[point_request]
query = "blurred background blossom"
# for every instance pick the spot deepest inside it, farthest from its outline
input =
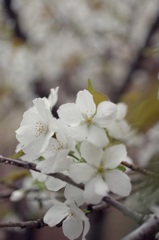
(49, 43)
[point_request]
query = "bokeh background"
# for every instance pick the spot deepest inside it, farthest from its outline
(49, 43)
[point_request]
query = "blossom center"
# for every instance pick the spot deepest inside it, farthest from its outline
(58, 147)
(41, 128)
(101, 171)
(88, 121)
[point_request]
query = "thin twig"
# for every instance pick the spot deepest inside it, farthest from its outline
(137, 217)
(39, 223)
(140, 170)
(146, 231)
(32, 166)
(5, 194)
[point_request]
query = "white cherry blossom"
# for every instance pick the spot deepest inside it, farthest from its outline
(36, 128)
(74, 221)
(85, 120)
(120, 129)
(100, 173)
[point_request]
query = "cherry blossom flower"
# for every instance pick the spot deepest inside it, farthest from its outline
(36, 128)
(85, 120)
(74, 221)
(100, 172)
(120, 129)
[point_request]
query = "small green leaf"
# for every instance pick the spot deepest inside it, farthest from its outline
(98, 97)
(17, 155)
(121, 168)
(86, 211)
(40, 185)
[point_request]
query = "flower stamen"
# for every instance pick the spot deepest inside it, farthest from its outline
(41, 128)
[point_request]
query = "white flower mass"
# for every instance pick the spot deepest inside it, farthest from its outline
(80, 145)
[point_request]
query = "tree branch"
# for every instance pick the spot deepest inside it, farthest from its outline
(32, 166)
(39, 223)
(137, 217)
(146, 231)
(5, 194)
(140, 170)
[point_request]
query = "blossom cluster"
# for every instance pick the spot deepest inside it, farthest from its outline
(85, 143)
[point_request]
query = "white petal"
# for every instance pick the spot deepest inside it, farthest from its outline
(36, 146)
(61, 138)
(51, 149)
(97, 136)
(25, 135)
(90, 195)
(46, 139)
(118, 182)
(85, 228)
(30, 117)
(53, 96)
(120, 130)
(70, 114)
(121, 111)
(42, 108)
(78, 133)
(45, 165)
(86, 103)
(62, 162)
(54, 184)
(74, 194)
(91, 153)
(56, 214)
(38, 176)
(101, 187)
(114, 155)
(72, 227)
(81, 172)
(106, 113)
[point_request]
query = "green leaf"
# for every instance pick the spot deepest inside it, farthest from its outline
(121, 168)
(17, 155)
(40, 185)
(97, 97)
(86, 211)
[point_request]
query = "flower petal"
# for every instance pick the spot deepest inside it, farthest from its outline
(101, 187)
(45, 166)
(120, 130)
(54, 184)
(106, 113)
(72, 227)
(42, 108)
(121, 111)
(81, 172)
(118, 182)
(53, 96)
(91, 153)
(90, 194)
(78, 133)
(114, 155)
(74, 194)
(56, 214)
(97, 136)
(85, 228)
(70, 114)
(25, 134)
(86, 103)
